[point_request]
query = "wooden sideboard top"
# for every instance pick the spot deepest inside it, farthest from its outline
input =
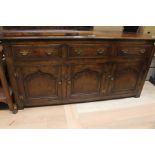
(70, 34)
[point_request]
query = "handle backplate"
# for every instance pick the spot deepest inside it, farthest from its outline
(24, 52)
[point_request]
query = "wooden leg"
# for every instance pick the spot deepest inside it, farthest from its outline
(6, 88)
(137, 96)
(15, 109)
(5, 83)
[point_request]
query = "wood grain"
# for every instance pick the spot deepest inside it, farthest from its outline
(54, 71)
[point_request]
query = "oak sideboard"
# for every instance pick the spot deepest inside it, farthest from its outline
(48, 67)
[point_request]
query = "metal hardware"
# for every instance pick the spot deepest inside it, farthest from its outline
(21, 97)
(51, 52)
(142, 51)
(15, 74)
(69, 82)
(24, 52)
(100, 51)
(59, 82)
(78, 51)
(125, 51)
(112, 79)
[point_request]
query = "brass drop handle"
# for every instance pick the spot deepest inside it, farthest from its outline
(24, 52)
(50, 52)
(112, 78)
(142, 51)
(125, 51)
(15, 74)
(78, 51)
(100, 51)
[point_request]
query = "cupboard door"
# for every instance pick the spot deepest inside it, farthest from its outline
(86, 81)
(125, 78)
(39, 85)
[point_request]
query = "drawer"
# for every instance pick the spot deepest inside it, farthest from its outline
(139, 51)
(36, 51)
(89, 50)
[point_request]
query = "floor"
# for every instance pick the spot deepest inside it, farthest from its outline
(115, 114)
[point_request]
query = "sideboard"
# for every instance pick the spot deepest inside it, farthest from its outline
(61, 67)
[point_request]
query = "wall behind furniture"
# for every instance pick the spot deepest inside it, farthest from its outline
(108, 28)
(151, 31)
(143, 29)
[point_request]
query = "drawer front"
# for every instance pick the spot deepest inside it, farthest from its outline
(36, 51)
(139, 51)
(89, 50)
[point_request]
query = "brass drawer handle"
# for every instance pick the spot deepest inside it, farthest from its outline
(110, 77)
(125, 51)
(100, 51)
(78, 51)
(142, 51)
(24, 52)
(50, 52)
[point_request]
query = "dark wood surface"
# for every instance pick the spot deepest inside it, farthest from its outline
(82, 28)
(5, 91)
(49, 70)
(69, 34)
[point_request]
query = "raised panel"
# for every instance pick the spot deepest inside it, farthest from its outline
(39, 85)
(86, 80)
(125, 78)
